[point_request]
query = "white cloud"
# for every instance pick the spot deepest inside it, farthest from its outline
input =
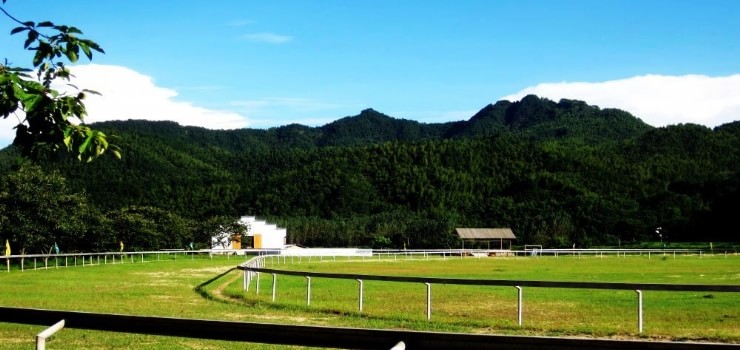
(127, 94)
(270, 38)
(658, 100)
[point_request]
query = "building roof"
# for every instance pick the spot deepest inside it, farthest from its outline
(485, 233)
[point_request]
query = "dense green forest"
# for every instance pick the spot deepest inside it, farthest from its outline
(557, 173)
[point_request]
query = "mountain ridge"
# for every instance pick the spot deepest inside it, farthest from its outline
(536, 117)
(558, 173)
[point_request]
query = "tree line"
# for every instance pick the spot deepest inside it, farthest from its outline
(557, 173)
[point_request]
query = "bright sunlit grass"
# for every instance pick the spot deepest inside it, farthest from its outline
(212, 289)
(556, 311)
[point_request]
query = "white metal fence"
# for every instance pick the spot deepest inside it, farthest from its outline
(253, 269)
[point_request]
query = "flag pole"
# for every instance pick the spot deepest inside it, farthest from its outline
(7, 254)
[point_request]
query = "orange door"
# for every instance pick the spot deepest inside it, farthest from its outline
(257, 241)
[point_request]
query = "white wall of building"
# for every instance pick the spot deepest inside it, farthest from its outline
(267, 236)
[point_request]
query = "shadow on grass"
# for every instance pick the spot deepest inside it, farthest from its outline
(203, 292)
(210, 290)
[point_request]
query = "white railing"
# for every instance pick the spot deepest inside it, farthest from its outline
(49, 261)
(254, 267)
(41, 337)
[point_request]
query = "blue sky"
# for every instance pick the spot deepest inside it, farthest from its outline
(258, 64)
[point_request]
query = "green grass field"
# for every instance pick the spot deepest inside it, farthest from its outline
(187, 288)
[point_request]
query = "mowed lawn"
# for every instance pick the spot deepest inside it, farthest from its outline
(700, 316)
(210, 289)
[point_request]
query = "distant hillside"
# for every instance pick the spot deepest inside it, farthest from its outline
(533, 117)
(558, 173)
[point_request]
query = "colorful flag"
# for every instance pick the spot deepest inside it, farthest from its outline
(121, 246)
(7, 248)
(56, 248)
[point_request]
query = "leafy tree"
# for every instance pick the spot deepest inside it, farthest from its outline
(222, 228)
(48, 120)
(149, 228)
(38, 209)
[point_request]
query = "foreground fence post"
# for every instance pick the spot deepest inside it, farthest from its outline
(639, 310)
(429, 300)
(519, 305)
(399, 346)
(41, 337)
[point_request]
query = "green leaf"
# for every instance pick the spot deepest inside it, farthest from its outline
(17, 30)
(86, 50)
(38, 58)
(45, 24)
(86, 144)
(32, 36)
(93, 45)
(71, 55)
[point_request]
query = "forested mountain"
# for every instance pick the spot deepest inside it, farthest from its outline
(558, 173)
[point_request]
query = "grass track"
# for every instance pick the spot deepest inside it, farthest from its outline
(171, 288)
(603, 313)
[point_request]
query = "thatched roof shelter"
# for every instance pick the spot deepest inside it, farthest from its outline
(486, 235)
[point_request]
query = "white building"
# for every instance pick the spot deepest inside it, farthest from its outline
(260, 235)
(264, 235)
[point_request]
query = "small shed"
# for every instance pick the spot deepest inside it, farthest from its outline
(486, 235)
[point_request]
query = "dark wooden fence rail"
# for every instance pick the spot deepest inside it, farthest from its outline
(509, 283)
(329, 337)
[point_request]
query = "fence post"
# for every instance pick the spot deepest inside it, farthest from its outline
(360, 299)
(519, 305)
(41, 337)
(244, 280)
(429, 300)
(257, 288)
(308, 290)
(274, 285)
(639, 310)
